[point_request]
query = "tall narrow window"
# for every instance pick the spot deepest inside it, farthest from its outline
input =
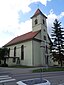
(44, 37)
(9, 52)
(36, 21)
(14, 59)
(14, 51)
(44, 30)
(46, 49)
(22, 52)
(43, 22)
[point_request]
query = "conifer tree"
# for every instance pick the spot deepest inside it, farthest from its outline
(58, 41)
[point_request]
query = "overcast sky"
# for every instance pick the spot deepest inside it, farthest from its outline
(15, 16)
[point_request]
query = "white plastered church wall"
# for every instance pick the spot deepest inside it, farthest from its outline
(27, 53)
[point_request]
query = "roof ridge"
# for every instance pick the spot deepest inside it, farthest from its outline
(27, 33)
(23, 34)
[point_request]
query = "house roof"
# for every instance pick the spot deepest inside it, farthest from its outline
(22, 38)
(37, 13)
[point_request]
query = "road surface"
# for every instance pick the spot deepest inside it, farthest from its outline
(55, 78)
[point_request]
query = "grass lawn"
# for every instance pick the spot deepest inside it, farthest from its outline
(21, 66)
(49, 69)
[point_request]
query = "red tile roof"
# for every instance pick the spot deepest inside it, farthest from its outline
(22, 38)
(37, 13)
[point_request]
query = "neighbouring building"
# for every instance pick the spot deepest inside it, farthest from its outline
(32, 48)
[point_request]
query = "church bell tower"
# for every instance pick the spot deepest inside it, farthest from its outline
(39, 23)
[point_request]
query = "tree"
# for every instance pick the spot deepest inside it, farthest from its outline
(3, 54)
(58, 41)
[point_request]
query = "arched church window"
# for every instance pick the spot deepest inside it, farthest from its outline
(44, 30)
(44, 37)
(14, 58)
(46, 49)
(43, 21)
(9, 52)
(22, 52)
(36, 21)
(14, 51)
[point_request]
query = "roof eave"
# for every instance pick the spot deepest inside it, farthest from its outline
(17, 43)
(38, 14)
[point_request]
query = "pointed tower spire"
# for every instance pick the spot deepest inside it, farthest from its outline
(37, 13)
(38, 21)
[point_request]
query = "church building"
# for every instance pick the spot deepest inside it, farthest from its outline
(32, 48)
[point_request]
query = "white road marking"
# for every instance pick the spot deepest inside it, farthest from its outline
(6, 78)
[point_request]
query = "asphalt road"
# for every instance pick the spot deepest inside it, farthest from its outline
(55, 78)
